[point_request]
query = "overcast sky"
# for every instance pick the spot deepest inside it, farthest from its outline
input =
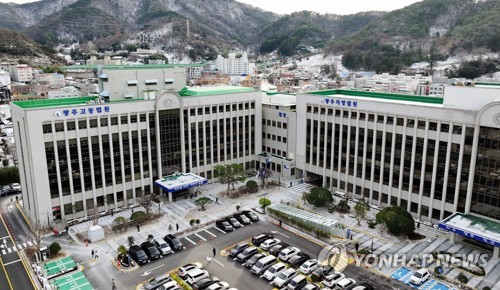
(321, 6)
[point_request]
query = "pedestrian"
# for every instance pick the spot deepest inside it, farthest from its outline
(280, 223)
(290, 184)
(112, 212)
(95, 254)
(138, 228)
(356, 246)
(92, 254)
(213, 252)
(217, 200)
(177, 227)
(114, 286)
(418, 225)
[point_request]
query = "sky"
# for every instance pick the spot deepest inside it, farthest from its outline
(321, 6)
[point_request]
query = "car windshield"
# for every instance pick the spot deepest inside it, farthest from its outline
(238, 247)
(226, 224)
(248, 250)
(282, 276)
(418, 275)
(258, 264)
(176, 241)
(152, 249)
(272, 270)
(164, 246)
(255, 258)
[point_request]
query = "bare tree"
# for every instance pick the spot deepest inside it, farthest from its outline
(264, 174)
(36, 236)
(145, 199)
(94, 213)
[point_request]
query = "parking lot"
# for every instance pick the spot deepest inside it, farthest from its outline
(199, 247)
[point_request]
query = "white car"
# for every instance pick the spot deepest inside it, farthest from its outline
(345, 284)
(163, 247)
(332, 279)
(218, 286)
(196, 275)
(288, 253)
(284, 277)
(15, 186)
(275, 269)
(267, 244)
(419, 277)
(309, 266)
(171, 285)
(184, 270)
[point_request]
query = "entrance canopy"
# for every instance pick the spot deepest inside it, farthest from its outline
(180, 181)
(474, 227)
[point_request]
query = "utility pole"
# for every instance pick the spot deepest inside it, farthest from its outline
(187, 28)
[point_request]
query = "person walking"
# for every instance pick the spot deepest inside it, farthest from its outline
(280, 223)
(177, 227)
(95, 254)
(113, 287)
(356, 246)
(217, 200)
(92, 254)
(138, 228)
(214, 252)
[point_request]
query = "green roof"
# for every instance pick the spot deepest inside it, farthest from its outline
(53, 102)
(487, 84)
(209, 91)
(134, 66)
(378, 95)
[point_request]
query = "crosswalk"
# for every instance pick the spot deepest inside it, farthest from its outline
(4, 249)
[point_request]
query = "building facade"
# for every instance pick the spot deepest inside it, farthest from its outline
(100, 154)
(234, 64)
(21, 73)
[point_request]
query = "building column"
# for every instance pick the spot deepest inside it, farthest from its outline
(169, 197)
(452, 237)
(496, 251)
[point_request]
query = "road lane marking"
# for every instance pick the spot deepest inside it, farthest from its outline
(213, 259)
(12, 262)
(5, 237)
(3, 252)
(19, 246)
(6, 275)
(201, 237)
(30, 243)
(211, 234)
(9, 250)
(190, 241)
(220, 230)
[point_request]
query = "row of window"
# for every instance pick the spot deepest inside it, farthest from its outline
(220, 108)
(273, 123)
(93, 123)
(275, 151)
(274, 137)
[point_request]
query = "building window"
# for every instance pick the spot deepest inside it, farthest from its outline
(47, 128)
(284, 125)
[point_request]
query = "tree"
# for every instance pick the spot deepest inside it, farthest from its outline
(397, 220)
(145, 199)
(202, 202)
(54, 248)
(9, 175)
(230, 174)
(37, 236)
(319, 196)
(264, 174)
(360, 209)
(343, 206)
(122, 250)
(264, 202)
(252, 186)
(94, 213)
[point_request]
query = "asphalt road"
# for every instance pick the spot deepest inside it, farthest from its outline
(11, 267)
(224, 267)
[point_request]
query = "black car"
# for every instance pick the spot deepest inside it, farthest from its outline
(151, 250)
(260, 238)
(251, 215)
(224, 225)
(297, 260)
(204, 283)
(250, 262)
(238, 249)
(174, 243)
(138, 255)
(243, 219)
(276, 249)
(246, 254)
(321, 272)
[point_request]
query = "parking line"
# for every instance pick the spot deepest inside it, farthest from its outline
(211, 234)
(19, 246)
(5, 264)
(220, 230)
(3, 252)
(190, 241)
(9, 250)
(201, 237)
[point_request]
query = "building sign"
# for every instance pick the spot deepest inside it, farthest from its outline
(469, 235)
(340, 102)
(82, 111)
(282, 114)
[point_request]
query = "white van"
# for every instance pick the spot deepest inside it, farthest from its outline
(340, 194)
(263, 264)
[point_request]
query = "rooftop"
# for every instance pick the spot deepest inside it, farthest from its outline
(378, 95)
(471, 224)
(53, 102)
(133, 66)
(209, 91)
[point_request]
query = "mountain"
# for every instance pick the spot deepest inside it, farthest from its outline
(16, 44)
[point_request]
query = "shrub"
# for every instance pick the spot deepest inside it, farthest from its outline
(54, 248)
(397, 219)
(202, 202)
(372, 224)
(252, 186)
(118, 220)
(198, 221)
(462, 278)
(264, 202)
(319, 196)
(192, 222)
(122, 250)
(137, 215)
(486, 288)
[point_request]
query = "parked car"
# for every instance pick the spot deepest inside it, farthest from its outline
(138, 255)
(196, 275)
(263, 264)
(260, 238)
(224, 225)
(234, 222)
(156, 282)
(299, 259)
(345, 284)
(184, 270)
(274, 270)
(276, 249)
(289, 252)
(311, 286)
(163, 247)
(173, 242)
(363, 286)
(420, 276)
(151, 250)
(251, 215)
(238, 249)
(309, 266)
(250, 262)
(15, 187)
(332, 279)
(218, 286)
(321, 272)
(204, 283)
(284, 277)
(246, 254)
(171, 285)
(269, 243)
(243, 219)
(297, 283)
